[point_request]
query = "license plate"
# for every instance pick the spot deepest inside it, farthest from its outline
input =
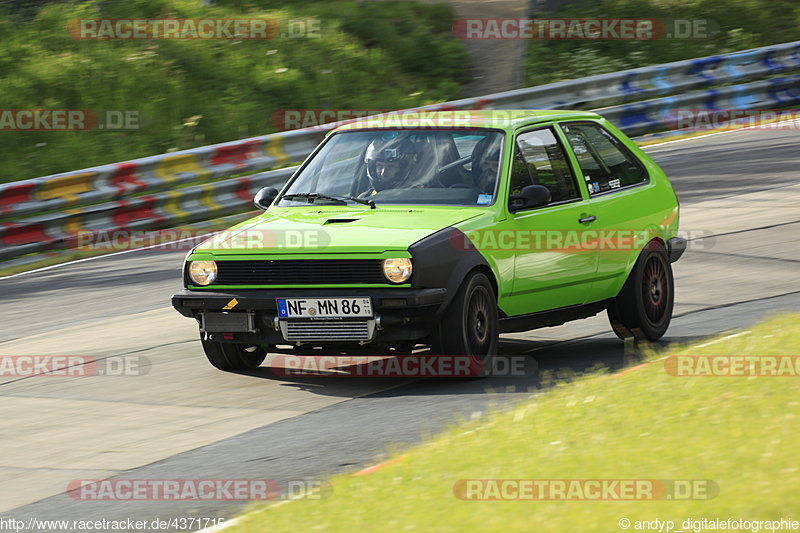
(324, 307)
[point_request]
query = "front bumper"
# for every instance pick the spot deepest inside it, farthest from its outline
(400, 314)
(675, 248)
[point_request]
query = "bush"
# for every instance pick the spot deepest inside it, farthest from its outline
(189, 93)
(737, 25)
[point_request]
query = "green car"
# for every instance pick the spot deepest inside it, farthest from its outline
(442, 229)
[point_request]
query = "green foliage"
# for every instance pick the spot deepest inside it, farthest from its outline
(193, 92)
(738, 432)
(731, 25)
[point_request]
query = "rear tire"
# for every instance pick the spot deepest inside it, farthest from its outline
(229, 356)
(470, 325)
(643, 308)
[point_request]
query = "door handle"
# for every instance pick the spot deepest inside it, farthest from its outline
(590, 218)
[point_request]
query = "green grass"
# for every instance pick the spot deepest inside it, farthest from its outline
(188, 93)
(642, 424)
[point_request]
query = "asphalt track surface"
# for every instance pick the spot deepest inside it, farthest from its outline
(740, 196)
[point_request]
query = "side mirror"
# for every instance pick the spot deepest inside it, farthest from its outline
(265, 197)
(530, 196)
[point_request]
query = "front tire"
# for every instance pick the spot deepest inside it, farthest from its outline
(229, 356)
(643, 308)
(470, 325)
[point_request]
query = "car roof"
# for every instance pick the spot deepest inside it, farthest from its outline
(505, 119)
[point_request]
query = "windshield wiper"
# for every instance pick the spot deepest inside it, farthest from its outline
(316, 196)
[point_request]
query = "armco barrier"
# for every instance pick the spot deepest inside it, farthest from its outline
(159, 210)
(660, 113)
(142, 193)
(647, 82)
(155, 173)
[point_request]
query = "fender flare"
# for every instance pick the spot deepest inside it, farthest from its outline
(443, 259)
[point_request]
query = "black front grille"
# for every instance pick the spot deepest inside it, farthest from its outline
(300, 272)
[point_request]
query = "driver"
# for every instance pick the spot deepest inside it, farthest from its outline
(389, 163)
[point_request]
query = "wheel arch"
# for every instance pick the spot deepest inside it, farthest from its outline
(485, 270)
(445, 259)
(657, 240)
(634, 258)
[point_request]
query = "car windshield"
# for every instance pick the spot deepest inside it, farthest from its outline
(436, 166)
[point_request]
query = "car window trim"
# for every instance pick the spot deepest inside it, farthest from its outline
(624, 149)
(620, 189)
(331, 134)
(527, 129)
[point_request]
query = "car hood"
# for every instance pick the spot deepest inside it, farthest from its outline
(335, 230)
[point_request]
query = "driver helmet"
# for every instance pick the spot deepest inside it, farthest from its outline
(390, 159)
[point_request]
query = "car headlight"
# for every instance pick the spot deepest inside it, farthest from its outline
(203, 272)
(397, 269)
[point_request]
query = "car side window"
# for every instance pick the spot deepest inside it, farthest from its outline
(540, 160)
(605, 164)
(520, 176)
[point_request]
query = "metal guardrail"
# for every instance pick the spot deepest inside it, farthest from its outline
(160, 210)
(664, 113)
(155, 173)
(141, 194)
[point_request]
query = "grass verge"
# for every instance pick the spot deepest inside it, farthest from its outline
(640, 424)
